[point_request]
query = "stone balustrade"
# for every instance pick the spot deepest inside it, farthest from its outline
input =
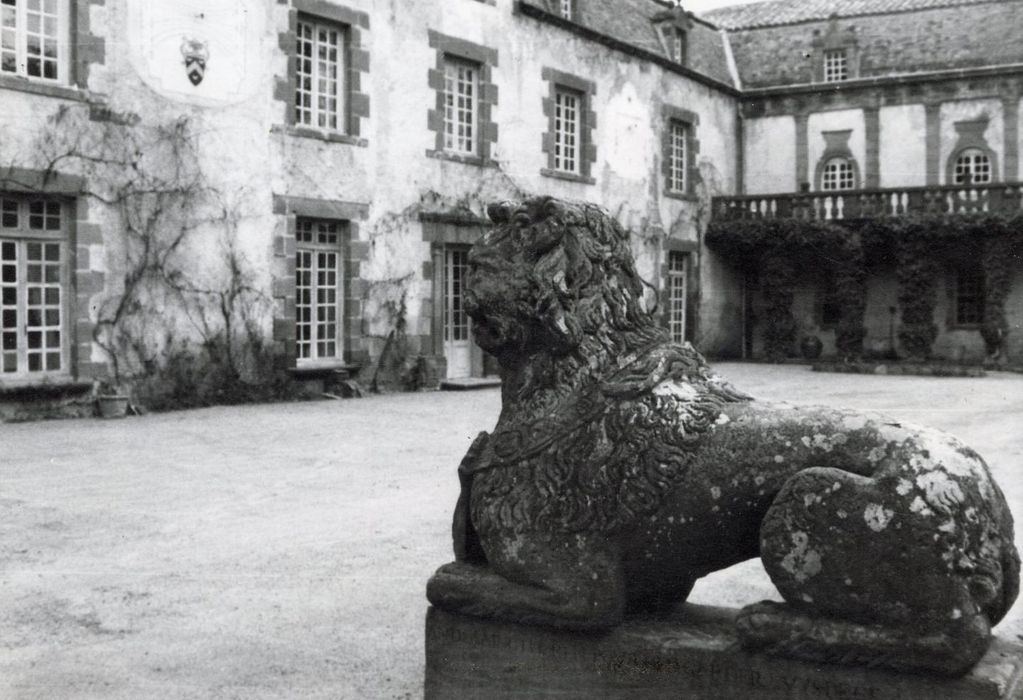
(1006, 198)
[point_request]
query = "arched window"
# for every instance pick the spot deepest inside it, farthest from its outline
(972, 166)
(838, 174)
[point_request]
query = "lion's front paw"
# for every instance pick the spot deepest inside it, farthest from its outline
(456, 585)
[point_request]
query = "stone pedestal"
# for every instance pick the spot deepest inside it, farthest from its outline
(694, 654)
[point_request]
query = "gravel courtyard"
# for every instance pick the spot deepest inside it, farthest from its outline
(281, 551)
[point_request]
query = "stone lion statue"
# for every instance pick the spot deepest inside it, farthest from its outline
(622, 469)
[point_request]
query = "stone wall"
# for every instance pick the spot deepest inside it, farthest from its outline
(382, 178)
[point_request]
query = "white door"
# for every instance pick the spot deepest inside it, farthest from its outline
(457, 345)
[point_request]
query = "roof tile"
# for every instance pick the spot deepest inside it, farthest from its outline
(775, 12)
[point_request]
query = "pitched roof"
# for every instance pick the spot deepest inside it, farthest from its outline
(633, 22)
(776, 12)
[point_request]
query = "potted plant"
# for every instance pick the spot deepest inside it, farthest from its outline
(111, 401)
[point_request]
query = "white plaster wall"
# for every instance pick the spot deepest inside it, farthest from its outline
(770, 155)
(393, 174)
(970, 110)
(839, 120)
(903, 147)
(248, 159)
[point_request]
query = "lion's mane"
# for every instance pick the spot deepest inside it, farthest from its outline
(617, 445)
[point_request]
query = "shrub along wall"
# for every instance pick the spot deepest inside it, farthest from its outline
(774, 249)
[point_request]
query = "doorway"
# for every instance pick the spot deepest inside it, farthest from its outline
(457, 336)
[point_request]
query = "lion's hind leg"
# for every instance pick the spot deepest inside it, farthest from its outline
(864, 581)
(782, 629)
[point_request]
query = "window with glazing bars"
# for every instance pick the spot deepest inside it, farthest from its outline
(317, 290)
(836, 66)
(973, 166)
(461, 105)
(566, 8)
(678, 46)
(677, 296)
(838, 174)
(677, 166)
(568, 106)
(30, 38)
(320, 75)
(32, 287)
(456, 320)
(969, 295)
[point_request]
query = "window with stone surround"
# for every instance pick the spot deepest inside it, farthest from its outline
(836, 65)
(838, 174)
(462, 114)
(567, 129)
(568, 141)
(679, 148)
(972, 167)
(969, 295)
(33, 287)
(678, 163)
(33, 39)
(318, 291)
(320, 69)
(461, 106)
(327, 71)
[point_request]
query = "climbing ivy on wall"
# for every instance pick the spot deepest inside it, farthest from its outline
(778, 249)
(175, 332)
(920, 245)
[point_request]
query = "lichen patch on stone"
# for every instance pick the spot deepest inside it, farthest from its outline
(877, 516)
(918, 506)
(801, 561)
(941, 493)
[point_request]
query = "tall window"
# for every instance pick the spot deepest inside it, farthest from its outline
(836, 65)
(567, 129)
(456, 320)
(461, 106)
(317, 290)
(677, 296)
(319, 75)
(838, 174)
(972, 166)
(30, 39)
(969, 295)
(677, 157)
(566, 8)
(678, 46)
(32, 287)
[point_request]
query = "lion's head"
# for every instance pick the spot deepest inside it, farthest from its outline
(547, 275)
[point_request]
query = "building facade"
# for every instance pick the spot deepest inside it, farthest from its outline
(195, 197)
(879, 111)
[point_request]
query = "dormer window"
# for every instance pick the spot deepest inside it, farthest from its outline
(678, 46)
(836, 65)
